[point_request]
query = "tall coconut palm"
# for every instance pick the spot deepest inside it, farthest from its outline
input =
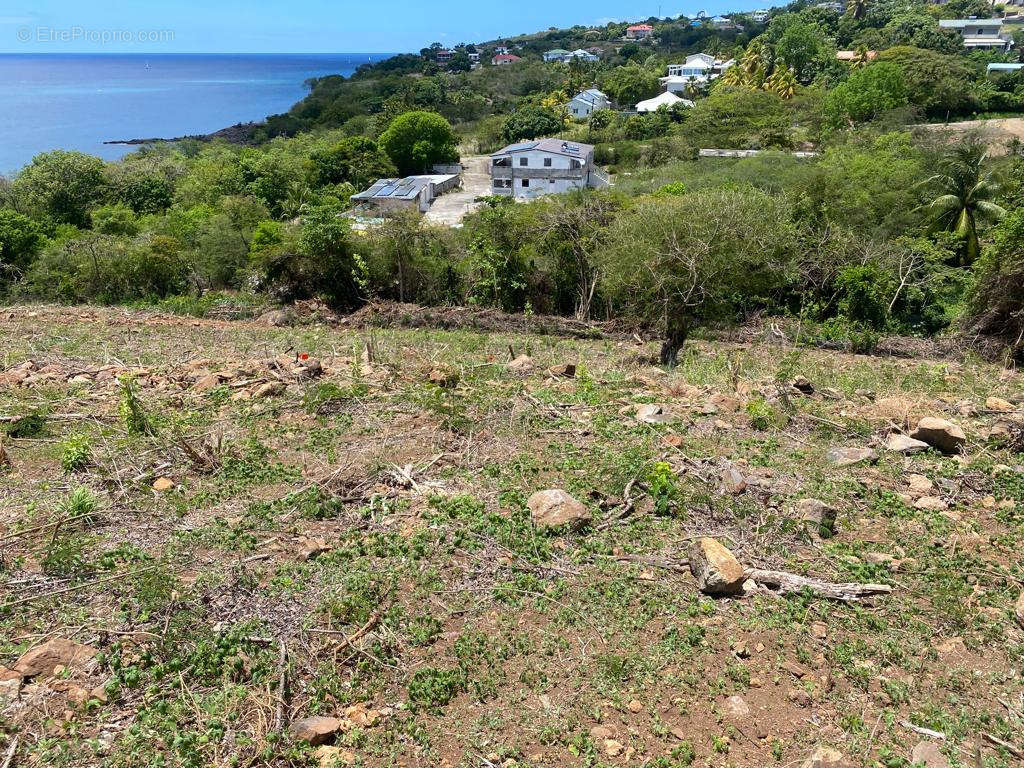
(856, 9)
(862, 58)
(966, 197)
(782, 83)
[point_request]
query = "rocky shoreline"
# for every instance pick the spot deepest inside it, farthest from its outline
(240, 133)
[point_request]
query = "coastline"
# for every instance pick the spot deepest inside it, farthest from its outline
(239, 133)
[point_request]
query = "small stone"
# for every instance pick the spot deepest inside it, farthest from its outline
(317, 729)
(736, 708)
(613, 748)
(920, 485)
(332, 757)
(651, 413)
(846, 457)
(879, 558)
(818, 517)
(162, 484)
(725, 403)
(444, 379)
(206, 383)
(942, 435)
(819, 630)
(311, 548)
(360, 715)
(867, 394)
(521, 364)
(931, 504)
(825, 757)
(908, 446)
(270, 389)
(99, 693)
(733, 481)
(635, 706)
(43, 660)
(275, 318)
(927, 753)
(563, 371)
(802, 385)
(672, 441)
(716, 569)
(9, 691)
(601, 732)
(1019, 610)
(555, 508)
(999, 405)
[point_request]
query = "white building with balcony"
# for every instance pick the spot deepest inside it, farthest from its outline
(532, 169)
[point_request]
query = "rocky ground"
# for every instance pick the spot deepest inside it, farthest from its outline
(233, 544)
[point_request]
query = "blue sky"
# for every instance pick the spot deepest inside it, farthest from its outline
(230, 26)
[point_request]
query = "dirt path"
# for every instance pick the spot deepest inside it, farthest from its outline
(996, 133)
(450, 209)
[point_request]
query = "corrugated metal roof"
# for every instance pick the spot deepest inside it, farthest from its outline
(555, 146)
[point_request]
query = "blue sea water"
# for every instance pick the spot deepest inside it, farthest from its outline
(78, 101)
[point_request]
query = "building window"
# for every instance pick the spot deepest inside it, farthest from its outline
(526, 182)
(547, 162)
(524, 161)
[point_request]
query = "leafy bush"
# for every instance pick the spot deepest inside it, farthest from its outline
(76, 452)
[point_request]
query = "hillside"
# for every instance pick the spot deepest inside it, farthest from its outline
(272, 524)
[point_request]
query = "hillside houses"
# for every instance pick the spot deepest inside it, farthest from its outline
(585, 103)
(979, 33)
(532, 169)
(565, 57)
(639, 32)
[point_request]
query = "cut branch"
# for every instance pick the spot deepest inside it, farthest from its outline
(786, 583)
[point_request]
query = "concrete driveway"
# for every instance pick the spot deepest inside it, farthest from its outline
(451, 208)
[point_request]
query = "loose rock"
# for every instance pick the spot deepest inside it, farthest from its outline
(825, 757)
(942, 435)
(999, 405)
(733, 481)
(1019, 610)
(927, 753)
(270, 389)
(563, 371)
(920, 485)
(905, 445)
(931, 504)
(42, 660)
(332, 757)
(846, 457)
(716, 569)
(802, 385)
(555, 508)
(316, 730)
(652, 413)
(818, 517)
(162, 484)
(521, 364)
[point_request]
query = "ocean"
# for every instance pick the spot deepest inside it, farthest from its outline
(79, 101)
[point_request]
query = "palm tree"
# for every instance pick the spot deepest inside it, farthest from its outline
(856, 9)
(967, 193)
(862, 58)
(782, 83)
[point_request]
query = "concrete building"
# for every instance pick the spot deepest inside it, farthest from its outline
(639, 32)
(585, 103)
(979, 33)
(410, 193)
(503, 59)
(532, 169)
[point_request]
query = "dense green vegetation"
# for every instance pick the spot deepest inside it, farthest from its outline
(887, 231)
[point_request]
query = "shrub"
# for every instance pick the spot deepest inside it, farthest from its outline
(415, 141)
(76, 452)
(433, 689)
(133, 414)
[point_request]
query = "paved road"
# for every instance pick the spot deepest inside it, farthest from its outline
(451, 208)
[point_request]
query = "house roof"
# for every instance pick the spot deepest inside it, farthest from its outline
(408, 188)
(667, 99)
(556, 51)
(506, 57)
(854, 55)
(1000, 67)
(590, 96)
(961, 23)
(640, 27)
(554, 146)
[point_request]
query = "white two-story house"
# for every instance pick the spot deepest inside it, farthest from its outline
(585, 103)
(698, 67)
(544, 167)
(979, 33)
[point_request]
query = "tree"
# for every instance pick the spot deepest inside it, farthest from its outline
(965, 198)
(686, 260)
(20, 241)
(799, 44)
(938, 84)
(856, 9)
(531, 123)
(116, 219)
(357, 160)
(415, 141)
(866, 94)
(996, 305)
(630, 84)
(62, 186)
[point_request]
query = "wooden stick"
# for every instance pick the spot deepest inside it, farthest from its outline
(9, 758)
(1005, 745)
(923, 731)
(281, 716)
(76, 588)
(786, 583)
(18, 534)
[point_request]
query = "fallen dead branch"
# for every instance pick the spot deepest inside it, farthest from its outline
(11, 751)
(1015, 751)
(76, 588)
(785, 583)
(281, 715)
